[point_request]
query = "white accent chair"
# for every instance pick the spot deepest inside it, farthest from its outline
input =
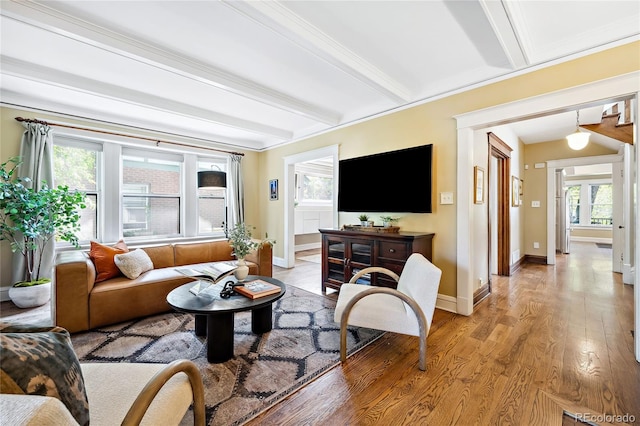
(407, 310)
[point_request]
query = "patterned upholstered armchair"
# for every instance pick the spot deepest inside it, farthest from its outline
(42, 382)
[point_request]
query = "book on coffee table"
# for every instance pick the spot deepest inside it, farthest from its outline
(208, 275)
(257, 288)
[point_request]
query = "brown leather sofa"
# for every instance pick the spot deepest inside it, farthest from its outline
(81, 304)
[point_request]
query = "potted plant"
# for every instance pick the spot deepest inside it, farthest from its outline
(29, 220)
(242, 243)
(388, 221)
(364, 220)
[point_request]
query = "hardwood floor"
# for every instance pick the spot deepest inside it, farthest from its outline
(548, 339)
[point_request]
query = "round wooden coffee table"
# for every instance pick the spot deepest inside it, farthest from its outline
(214, 315)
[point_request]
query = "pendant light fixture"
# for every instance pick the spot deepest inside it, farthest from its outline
(578, 140)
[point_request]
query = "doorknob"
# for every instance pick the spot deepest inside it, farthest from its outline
(620, 227)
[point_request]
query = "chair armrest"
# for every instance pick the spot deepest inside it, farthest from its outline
(374, 269)
(422, 320)
(145, 398)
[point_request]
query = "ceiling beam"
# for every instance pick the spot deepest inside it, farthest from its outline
(503, 28)
(35, 105)
(47, 18)
(42, 74)
(280, 19)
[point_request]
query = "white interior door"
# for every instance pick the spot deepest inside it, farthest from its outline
(628, 214)
(618, 231)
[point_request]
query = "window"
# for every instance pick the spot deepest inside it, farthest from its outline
(134, 217)
(211, 201)
(151, 193)
(314, 182)
(591, 203)
(601, 204)
(574, 203)
(141, 194)
(76, 165)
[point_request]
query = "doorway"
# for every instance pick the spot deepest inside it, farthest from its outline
(617, 88)
(290, 188)
(499, 209)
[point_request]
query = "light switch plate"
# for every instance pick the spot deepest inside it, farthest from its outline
(535, 204)
(446, 198)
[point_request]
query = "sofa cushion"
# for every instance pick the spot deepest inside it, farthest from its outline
(161, 256)
(213, 251)
(41, 361)
(133, 263)
(102, 257)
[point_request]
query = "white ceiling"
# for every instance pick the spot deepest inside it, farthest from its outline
(254, 75)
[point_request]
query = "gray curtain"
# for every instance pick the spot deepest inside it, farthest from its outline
(236, 189)
(36, 154)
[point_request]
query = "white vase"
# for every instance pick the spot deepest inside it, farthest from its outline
(242, 271)
(30, 297)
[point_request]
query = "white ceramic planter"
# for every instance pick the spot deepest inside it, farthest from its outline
(242, 271)
(30, 297)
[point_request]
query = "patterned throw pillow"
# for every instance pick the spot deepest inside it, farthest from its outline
(134, 263)
(102, 257)
(41, 361)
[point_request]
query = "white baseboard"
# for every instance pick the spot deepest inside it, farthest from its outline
(310, 246)
(592, 240)
(447, 303)
(279, 261)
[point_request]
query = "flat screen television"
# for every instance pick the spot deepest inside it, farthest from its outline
(395, 182)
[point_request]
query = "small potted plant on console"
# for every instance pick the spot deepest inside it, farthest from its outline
(364, 220)
(388, 221)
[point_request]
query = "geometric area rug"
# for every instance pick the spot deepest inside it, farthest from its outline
(304, 344)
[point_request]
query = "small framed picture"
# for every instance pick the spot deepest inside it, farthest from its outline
(478, 184)
(273, 189)
(521, 191)
(515, 191)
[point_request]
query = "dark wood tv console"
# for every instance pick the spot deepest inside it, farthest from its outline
(346, 252)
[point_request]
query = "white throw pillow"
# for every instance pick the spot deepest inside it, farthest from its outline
(134, 263)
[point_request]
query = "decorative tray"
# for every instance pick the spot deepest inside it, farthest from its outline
(374, 229)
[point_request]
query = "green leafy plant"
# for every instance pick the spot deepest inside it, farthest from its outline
(363, 218)
(29, 219)
(389, 219)
(242, 242)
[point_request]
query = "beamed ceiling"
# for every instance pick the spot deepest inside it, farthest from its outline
(255, 75)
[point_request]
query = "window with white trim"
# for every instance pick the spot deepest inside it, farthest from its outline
(314, 182)
(139, 193)
(77, 164)
(151, 193)
(212, 201)
(591, 202)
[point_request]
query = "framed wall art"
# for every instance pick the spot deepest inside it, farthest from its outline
(273, 189)
(478, 185)
(515, 191)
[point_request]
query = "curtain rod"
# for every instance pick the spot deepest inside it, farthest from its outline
(106, 132)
